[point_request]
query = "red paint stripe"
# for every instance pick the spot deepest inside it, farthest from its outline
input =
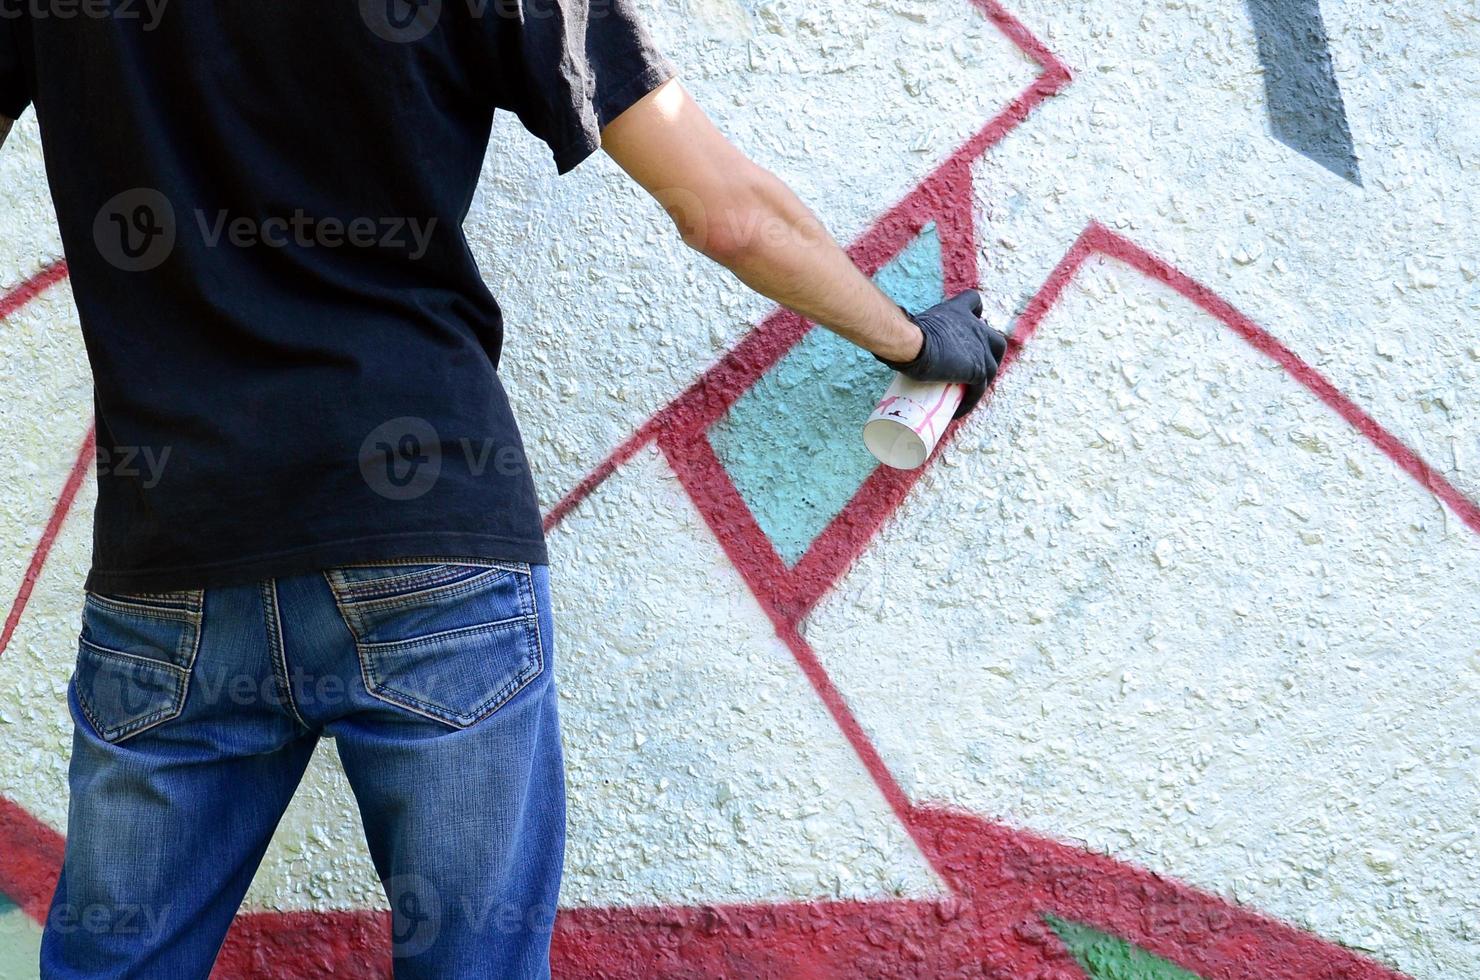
(347, 944)
(928, 423)
(1047, 297)
(1266, 343)
(59, 512)
(1055, 73)
(588, 484)
(997, 865)
(718, 501)
(878, 940)
(852, 529)
(30, 859)
(33, 287)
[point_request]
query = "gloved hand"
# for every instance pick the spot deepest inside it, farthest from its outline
(958, 346)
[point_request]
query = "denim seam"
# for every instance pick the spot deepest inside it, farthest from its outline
(539, 633)
(511, 566)
(395, 586)
(118, 733)
(182, 687)
(276, 654)
(476, 629)
(184, 615)
(125, 655)
(374, 688)
(450, 590)
(343, 613)
(486, 709)
(192, 596)
(354, 640)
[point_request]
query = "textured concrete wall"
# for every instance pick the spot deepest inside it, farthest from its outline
(1166, 666)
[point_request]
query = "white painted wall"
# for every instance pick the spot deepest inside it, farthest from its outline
(1157, 600)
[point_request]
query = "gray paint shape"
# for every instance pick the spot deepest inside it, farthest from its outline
(1306, 111)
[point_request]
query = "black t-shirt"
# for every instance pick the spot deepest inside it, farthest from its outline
(261, 201)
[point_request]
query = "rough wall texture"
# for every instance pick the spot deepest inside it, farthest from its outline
(1167, 665)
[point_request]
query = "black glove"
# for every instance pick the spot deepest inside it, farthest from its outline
(958, 346)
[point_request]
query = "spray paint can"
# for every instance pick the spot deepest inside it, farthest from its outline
(903, 430)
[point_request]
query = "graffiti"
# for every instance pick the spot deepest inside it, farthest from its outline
(1306, 111)
(754, 444)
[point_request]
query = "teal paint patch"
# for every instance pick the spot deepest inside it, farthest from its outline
(20, 943)
(792, 443)
(1105, 957)
(915, 278)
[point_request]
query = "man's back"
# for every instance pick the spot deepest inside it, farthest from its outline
(262, 207)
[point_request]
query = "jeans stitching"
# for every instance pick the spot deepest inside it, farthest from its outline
(168, 615)
(526, 673)
(194, 621)
(474, 630)
(376, 687)
(453, 590)
(272, 619)
(539, 632)
(354, 637)
(138, 726)
(450, 569)
(512, 566)
(391, 585)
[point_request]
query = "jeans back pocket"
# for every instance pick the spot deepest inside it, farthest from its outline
(449, 640)
(134, 658)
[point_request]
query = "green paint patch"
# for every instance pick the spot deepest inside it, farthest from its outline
(20, 943)
(1106, 957)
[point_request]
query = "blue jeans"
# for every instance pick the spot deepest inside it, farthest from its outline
(196, 713)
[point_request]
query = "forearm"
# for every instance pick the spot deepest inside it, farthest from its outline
(776, 246)
(746, 219)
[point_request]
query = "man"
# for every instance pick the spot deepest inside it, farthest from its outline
(314, 513)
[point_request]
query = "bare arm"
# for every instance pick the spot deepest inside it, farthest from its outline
(746, 219)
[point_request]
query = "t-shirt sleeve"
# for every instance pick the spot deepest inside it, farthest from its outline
(569, 67)
(14, 92)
